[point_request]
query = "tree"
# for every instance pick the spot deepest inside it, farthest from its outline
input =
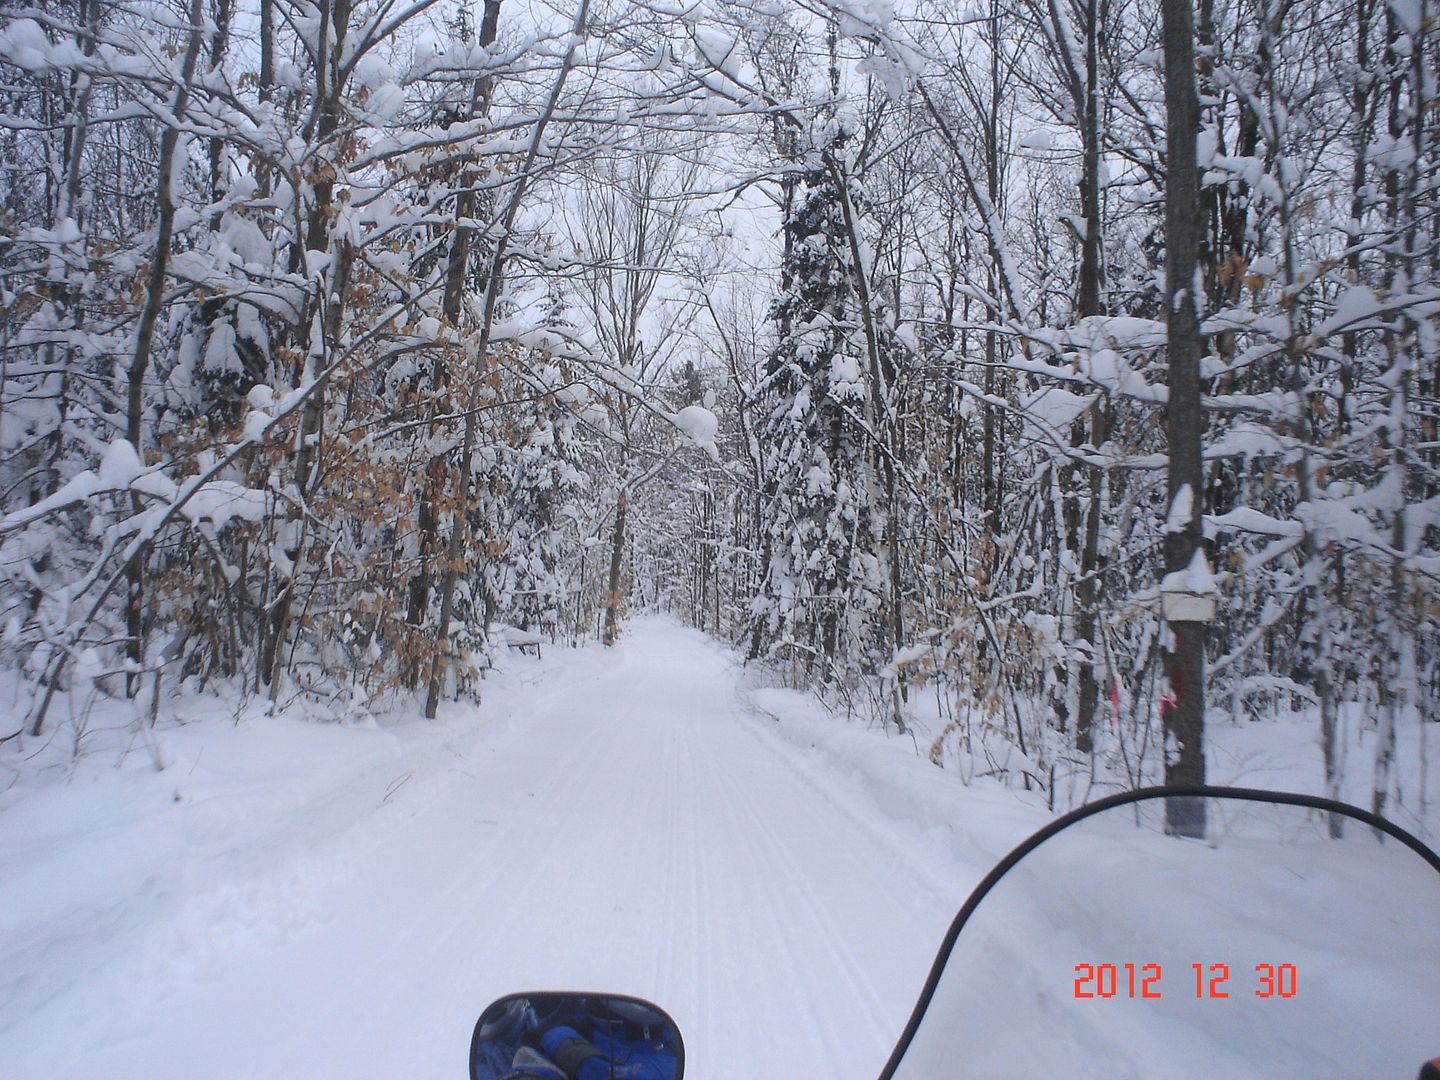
(821, 579)
(630, 228)
(1184, 713)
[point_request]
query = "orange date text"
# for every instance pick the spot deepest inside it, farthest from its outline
(1210, 982)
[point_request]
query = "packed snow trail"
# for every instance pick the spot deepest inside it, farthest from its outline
(628, 828)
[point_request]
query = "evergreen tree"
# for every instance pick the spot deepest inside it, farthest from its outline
(544, 487)
(821, 583)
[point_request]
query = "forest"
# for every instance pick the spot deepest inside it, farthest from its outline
(955, 361)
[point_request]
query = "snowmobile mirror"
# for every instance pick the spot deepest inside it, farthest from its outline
(1300, 937)
(564, 1036)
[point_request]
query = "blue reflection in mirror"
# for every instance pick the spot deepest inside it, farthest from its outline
(562, 1036)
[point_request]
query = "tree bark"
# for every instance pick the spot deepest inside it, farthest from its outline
(617, 562)
(1088, 303)
(145, 337)
(1183, 709)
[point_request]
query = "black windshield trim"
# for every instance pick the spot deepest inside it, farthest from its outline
(1283, 798)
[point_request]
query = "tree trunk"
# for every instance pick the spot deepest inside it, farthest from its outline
(1183, 710)
(1088, 303)
(457, 271)
(219, 45)
(330, 79)
(617, 560)
(145, 337)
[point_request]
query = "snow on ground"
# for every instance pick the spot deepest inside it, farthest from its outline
(290, 898)
(1318, 956)
(296, 899)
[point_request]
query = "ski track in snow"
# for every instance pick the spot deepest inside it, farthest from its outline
(628, 829)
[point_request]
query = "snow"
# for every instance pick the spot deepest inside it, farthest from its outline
(77, 489)
(1267, 888)
(1245, 519)
(320, 900)
(893, 76)
(1093, 350)
(1355, 306)
(717, 49)
(699, 425)
(517, 638)
(24, 43)
(1117, 332)
(292, 898)
(1182, 510)
(1055, 407)
(119, 465)
(1410, 13)
(221, 500)
(216, 501)
(1196, 578)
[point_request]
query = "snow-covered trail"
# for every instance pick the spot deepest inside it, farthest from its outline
(628, 829)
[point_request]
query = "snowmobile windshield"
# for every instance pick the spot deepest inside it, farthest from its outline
(1291, 938)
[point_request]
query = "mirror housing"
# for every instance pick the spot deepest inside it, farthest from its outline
(575, 1036)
